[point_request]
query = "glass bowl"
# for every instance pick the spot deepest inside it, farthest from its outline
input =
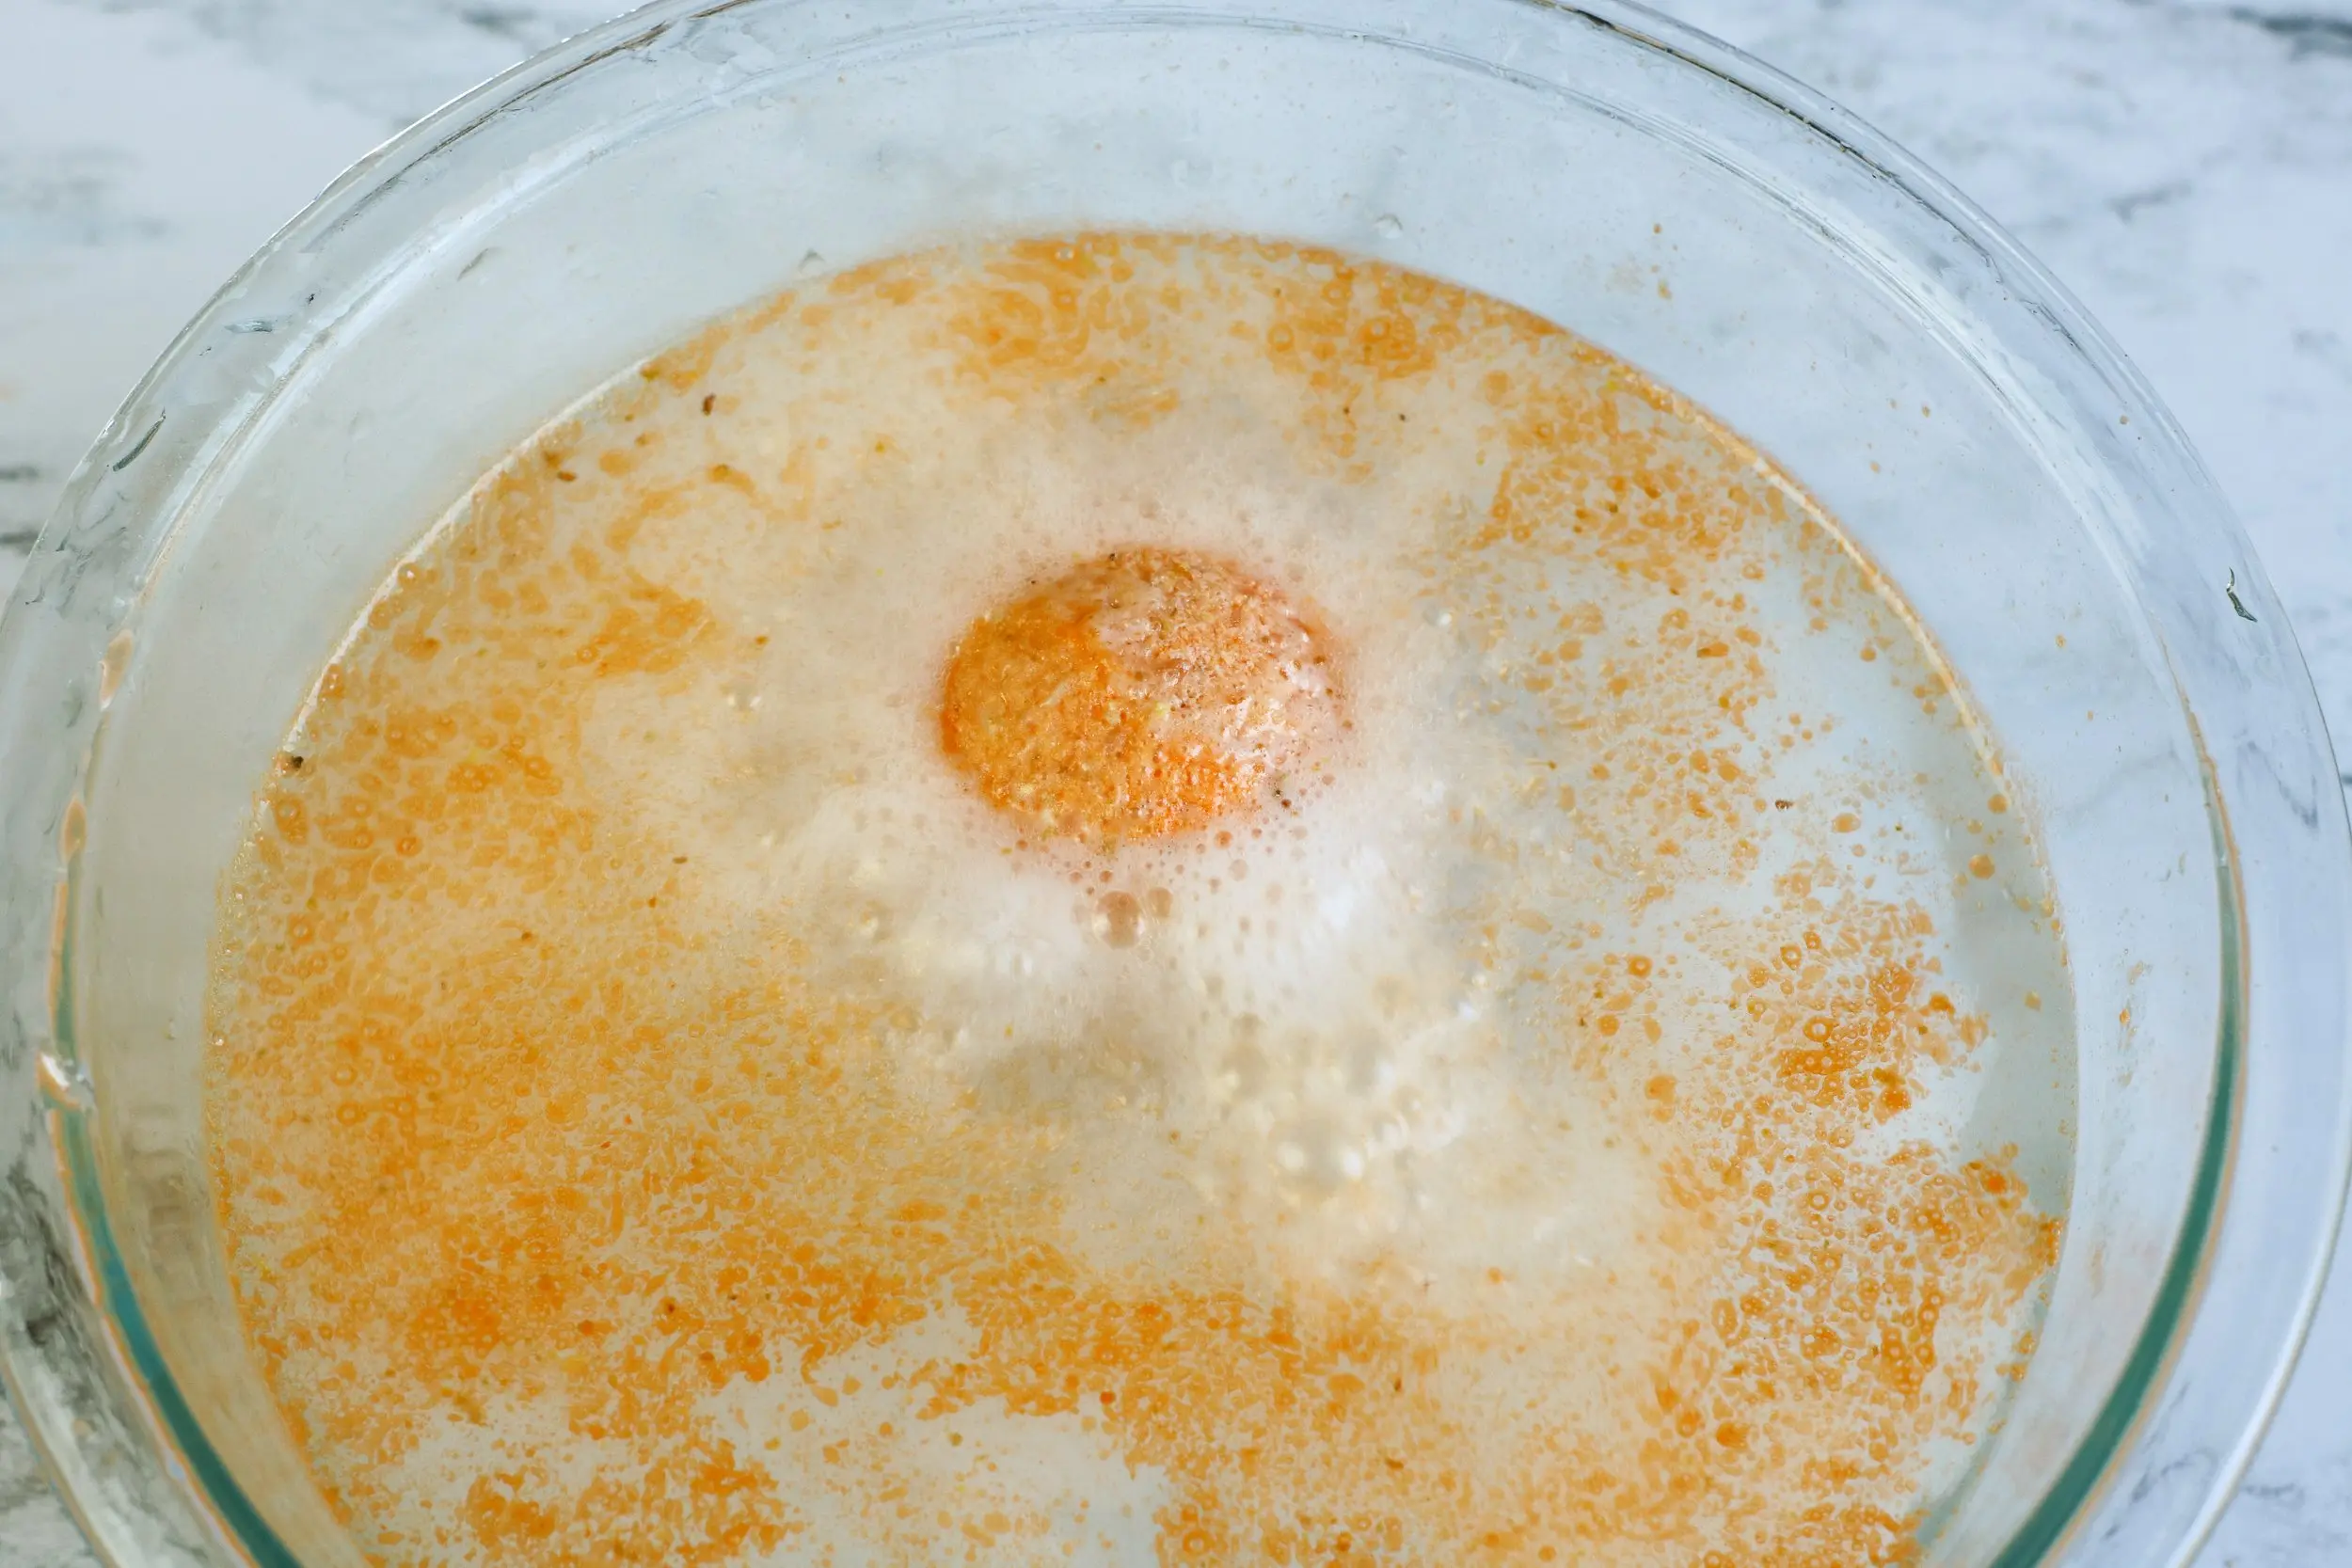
(1714, 223)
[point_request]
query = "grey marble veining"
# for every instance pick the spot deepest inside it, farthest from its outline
(2185, 166)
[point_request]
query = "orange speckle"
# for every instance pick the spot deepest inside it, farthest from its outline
(1143, 694)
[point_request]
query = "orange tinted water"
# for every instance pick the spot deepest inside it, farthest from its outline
(761, 1021)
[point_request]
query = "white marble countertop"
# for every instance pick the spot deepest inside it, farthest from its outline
(2185, 166)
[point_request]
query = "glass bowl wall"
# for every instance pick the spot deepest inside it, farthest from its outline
(1684, 208)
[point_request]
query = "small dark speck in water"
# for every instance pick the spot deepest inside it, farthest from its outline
(19, 538)
(18, 473)
(2235, 603)
(132, 455)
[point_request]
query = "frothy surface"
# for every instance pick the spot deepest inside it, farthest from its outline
(1506, 1101)
(1141, 694)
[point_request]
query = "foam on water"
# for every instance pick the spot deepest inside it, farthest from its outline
(1556, 1123)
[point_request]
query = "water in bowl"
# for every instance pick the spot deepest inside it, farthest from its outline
(1139, 898)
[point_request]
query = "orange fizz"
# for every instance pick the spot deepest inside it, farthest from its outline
(1135, 899)
(1141, 694)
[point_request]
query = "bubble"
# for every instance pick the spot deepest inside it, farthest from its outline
(1120, 920)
